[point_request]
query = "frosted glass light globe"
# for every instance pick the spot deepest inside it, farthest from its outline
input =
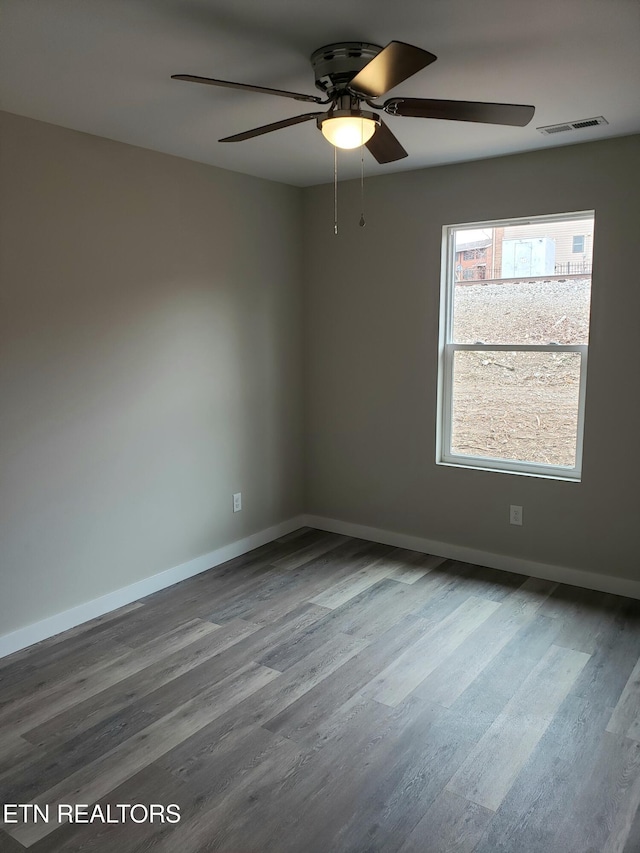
(348, 131)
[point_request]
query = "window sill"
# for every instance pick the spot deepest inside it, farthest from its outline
(471, 465)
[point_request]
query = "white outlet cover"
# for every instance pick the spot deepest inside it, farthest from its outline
(515, 515)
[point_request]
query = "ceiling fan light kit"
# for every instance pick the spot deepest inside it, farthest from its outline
(349, 128)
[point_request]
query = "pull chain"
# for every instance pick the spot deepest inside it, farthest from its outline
(335, 190)
(362, 222)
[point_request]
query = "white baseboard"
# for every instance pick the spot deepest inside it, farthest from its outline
(546, 571)
(53, 625)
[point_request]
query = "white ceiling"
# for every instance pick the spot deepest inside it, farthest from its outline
(104, 66)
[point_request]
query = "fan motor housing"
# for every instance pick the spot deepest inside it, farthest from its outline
(335, 65)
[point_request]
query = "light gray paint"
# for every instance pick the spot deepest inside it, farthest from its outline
(371, 308)
(104, 66)
(149, 367)
(152, 345)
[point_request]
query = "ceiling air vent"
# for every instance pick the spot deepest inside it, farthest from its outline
(572, 125)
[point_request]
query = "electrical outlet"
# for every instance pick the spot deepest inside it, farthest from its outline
(237, 502)
(515, 515)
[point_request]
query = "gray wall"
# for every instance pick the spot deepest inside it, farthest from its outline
(149, 366)
(371, 308)
(152, 339)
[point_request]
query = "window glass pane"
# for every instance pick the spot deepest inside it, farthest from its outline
(523, 284)
(527, 312)
(516, 406)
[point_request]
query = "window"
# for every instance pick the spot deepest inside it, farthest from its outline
(578, 243)
(473, 254)
(513, 350)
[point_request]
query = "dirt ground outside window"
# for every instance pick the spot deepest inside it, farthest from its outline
(511, 405)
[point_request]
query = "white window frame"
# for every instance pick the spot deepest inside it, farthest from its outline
(448, 349)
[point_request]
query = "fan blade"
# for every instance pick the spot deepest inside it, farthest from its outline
(384, 146)
(227, 84)
(394, 64)
(516, 115)
(267, 128)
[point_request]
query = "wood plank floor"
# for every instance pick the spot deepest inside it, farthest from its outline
(324, 693)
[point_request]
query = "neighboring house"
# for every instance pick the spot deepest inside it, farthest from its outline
(473, 259)
(571, 243)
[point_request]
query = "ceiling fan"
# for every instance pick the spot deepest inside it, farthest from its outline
(353, 73)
